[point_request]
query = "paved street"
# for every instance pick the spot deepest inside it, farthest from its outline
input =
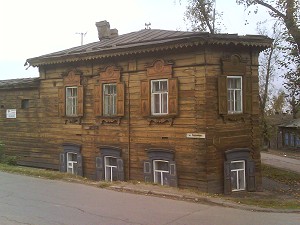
(281, 162)
(27, 200)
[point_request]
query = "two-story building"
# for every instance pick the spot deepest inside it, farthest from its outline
(170, 107)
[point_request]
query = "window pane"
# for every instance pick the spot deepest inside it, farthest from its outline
(234, 180)
(234, 94)
(238, 100)
(109, 99)
(71, 101)
(165, 103)
(164, 86)
(156, 103)
(159, 96)
(237, 165)
(161, 165)
(241, 177)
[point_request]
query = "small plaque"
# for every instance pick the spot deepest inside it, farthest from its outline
(11, 113)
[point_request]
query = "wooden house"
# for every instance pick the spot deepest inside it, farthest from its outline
(170, 107)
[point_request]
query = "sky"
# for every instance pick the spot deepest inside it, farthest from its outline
(36, 27)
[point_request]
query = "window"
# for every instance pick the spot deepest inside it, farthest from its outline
(25, 103)
(70, 97)
(111, 172)
(109, 99)
(292, 140)
(109, 96)
(159, 97)
(235, 89)
(160, 168)
(238, 181)
(159, 93)
(234, 94)
(71, 101)
(297, 141)
(72, 162)
(161, 171)
(109, 164)
(286, 139)
(239, 171)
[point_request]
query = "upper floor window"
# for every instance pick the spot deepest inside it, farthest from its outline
(109, 99)
(109, 95)
(234, 94)
(159, 92)
(71, 101)
(159, 97)
(70, 95)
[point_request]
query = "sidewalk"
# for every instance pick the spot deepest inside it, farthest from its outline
(281, 162)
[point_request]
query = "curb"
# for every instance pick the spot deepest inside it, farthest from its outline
(201, 199)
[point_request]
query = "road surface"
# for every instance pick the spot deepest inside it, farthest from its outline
(27, 200)
(281, 162)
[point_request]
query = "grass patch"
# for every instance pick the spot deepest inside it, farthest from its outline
(283, 176)
(41, 173)
(269, 203)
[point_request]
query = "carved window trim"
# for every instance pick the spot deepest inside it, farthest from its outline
(110, 75)
(234, 66)
(71, 79)
(159, 70)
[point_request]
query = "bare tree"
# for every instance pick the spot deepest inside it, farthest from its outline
(285, 11)
(203, 16)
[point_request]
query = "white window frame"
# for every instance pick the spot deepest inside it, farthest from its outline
(71, 163)
(235, 91)
(71, 101)
(161, 99)
(161, 173)
(112, 100)
(110, 167)
(238, 171)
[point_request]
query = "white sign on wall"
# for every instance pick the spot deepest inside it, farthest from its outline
(11, 113)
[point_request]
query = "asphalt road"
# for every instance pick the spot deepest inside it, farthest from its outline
(27, 200)
(281, 162)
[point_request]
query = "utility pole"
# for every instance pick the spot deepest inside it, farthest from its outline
(82, 35)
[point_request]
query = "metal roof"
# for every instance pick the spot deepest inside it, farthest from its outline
(147, 40)
(19, 83)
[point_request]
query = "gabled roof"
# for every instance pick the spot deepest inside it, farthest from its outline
(19, 83)
(148, 40)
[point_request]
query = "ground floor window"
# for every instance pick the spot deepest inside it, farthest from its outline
(161, 171)
(72, 162)
(239, 171)
(71, 159)
(111, 168)
(161, 167)
(109, 164)
(238, 175)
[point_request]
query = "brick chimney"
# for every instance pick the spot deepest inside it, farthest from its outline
(104, 31)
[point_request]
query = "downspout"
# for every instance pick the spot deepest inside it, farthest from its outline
(128, 130)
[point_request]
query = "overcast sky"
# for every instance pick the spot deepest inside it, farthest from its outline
(30, 28)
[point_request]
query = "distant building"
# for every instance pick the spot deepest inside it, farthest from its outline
(170, 107)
